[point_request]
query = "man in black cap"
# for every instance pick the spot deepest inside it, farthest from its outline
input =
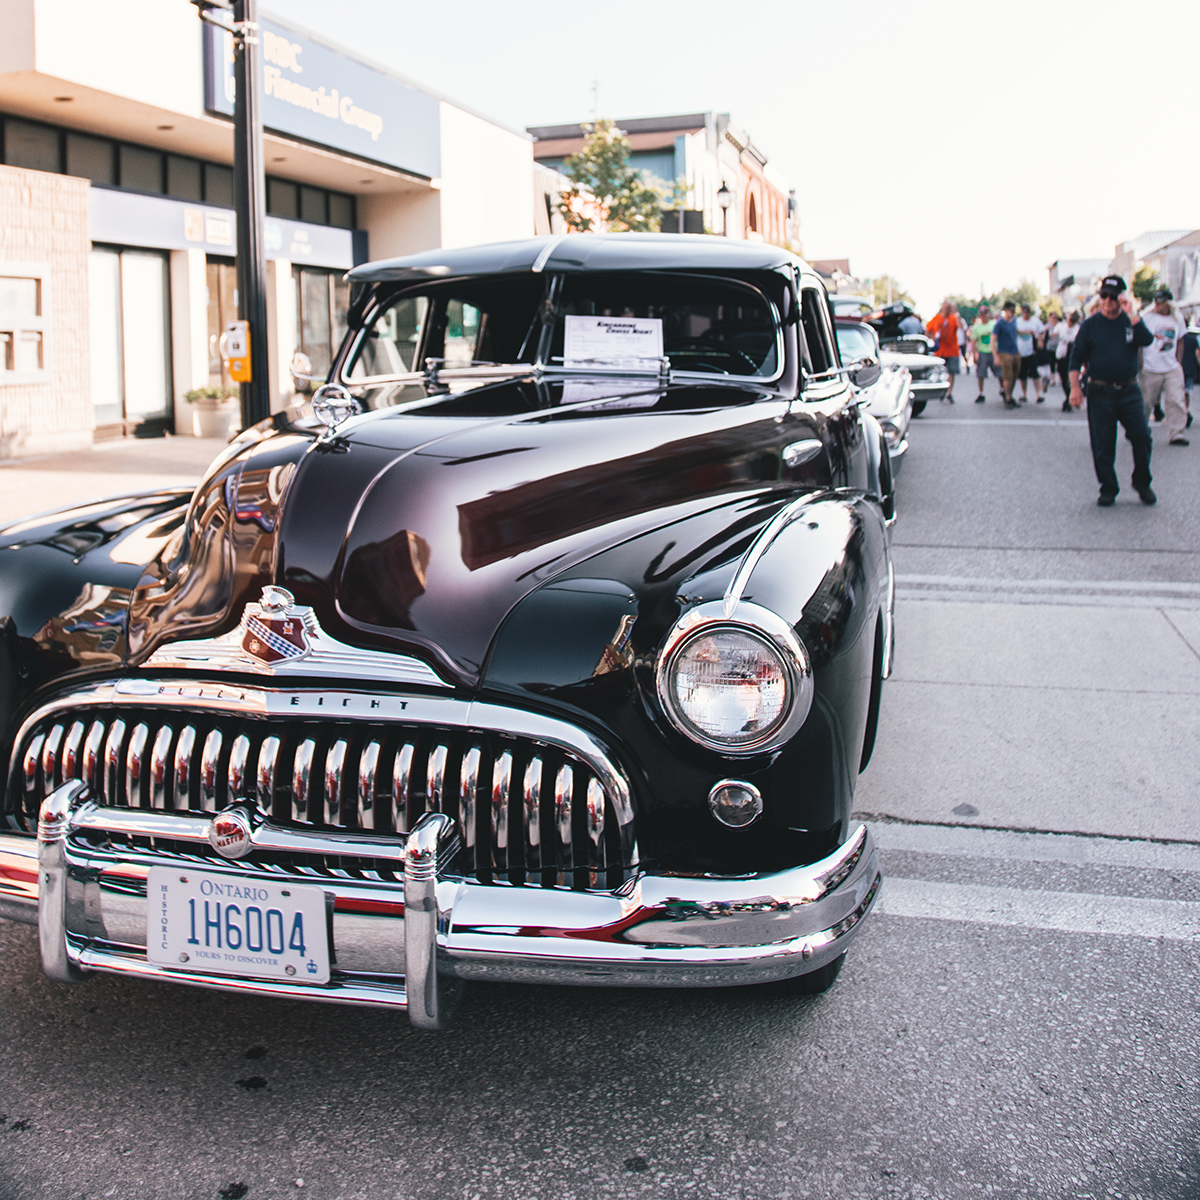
(1108, 345)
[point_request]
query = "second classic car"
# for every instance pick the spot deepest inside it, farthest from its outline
(889, 395)
(550, 651)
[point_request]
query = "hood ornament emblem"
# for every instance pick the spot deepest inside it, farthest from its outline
(274, 634)
(333, 405)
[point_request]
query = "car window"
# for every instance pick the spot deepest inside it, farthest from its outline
(709, 325)
(854, 343)
(389, 347)
(816, 330)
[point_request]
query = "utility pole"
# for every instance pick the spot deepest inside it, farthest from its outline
(240, 19)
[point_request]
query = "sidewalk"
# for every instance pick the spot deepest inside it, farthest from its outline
(122, 466)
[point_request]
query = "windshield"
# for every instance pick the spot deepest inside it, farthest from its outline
(850, 306)
(854, 343)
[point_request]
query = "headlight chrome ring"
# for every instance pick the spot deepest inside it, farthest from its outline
(718, 667)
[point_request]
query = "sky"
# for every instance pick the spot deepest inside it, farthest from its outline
(954, 146)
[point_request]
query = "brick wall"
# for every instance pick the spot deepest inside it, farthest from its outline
(44, 220)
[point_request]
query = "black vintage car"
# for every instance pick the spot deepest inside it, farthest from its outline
(550, 652)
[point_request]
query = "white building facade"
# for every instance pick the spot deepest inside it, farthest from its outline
(117, 268)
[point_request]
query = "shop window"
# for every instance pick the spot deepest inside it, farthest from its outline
(140, 170)
(341, 211)
(752, 216)
(91, 158)
(22, 345)
(321, 302)
(35, 147)
(183, 178)
(130, 340)
(312, 205)
(218, 185)
(281, 199)
(222, 308)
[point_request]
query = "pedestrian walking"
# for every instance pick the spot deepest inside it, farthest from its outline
(1029, 330)
(1049, 352)
(1068, 331)
(943, 328)
(1107, 345)
(1191, 365)
(1005, 348)
(1161, 376)
(981, 340)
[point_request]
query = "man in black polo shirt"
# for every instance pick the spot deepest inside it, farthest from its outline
(1107, 345)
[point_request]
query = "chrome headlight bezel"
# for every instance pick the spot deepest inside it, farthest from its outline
(762, 625)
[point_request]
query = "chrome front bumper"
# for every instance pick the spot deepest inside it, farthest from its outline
(410, 944)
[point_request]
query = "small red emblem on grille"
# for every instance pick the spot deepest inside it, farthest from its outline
(273, 634)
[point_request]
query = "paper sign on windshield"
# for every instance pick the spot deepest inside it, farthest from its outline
(613, 342)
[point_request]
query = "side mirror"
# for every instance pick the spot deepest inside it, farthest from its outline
(301, 372)
(866, 374)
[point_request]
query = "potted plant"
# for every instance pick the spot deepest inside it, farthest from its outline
(211, 410)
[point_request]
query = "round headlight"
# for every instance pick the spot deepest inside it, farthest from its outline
(732, 687)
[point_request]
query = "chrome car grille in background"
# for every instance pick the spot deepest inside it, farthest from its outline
(527, 813)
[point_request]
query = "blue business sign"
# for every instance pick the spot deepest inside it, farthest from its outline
(315, 93)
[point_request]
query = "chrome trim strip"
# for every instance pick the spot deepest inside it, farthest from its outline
(335, 762)
(402, 788)
(182, 795)
(158, 767)
(302, 781)
(50, 778)
(112, 762)
(134, 757)
(754, 552)
(238, 757)
(468, 786)
(210, 759)
(91, 753)
(268, 759)
(70, 751)
(435, 779)
(539, 263)
(368, 764)
(501, 785)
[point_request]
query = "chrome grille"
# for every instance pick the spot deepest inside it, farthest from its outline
(528, 813)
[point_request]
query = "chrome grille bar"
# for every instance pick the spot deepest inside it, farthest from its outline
(70, 751)
(335, 761)
(29, 766)
(210, 758)
(501, 785)
(468, 784)
(368, 764)
(112, 762)
(302, 781)
(135, 756)
(595, 830)
(50, 774)
(158, 767)
(435, 779)
(563, 790)
(93, 763)
(402, 788)
(268, 757)
(181, 796)
(238, 783)
(532, 795)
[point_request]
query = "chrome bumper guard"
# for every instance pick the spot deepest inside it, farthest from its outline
(411, 944)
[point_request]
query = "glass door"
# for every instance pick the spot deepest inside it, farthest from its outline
(222, 307)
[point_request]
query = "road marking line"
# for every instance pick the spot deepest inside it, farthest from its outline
(1009, 422)
(1143, 586)
(1062, 599)
(1068, 912)
(969, 842)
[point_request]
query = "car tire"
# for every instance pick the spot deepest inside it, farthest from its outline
(812, 984)
(919, 407)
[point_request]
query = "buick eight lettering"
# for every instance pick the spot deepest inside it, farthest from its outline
(545, 644)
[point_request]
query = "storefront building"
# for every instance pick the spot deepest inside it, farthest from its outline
(118, 235)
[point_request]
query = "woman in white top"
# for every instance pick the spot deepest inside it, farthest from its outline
(1068, 331)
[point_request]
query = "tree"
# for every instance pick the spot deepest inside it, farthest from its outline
(603, 181)
(883, 284)
(1145, 284)
(1026, 292)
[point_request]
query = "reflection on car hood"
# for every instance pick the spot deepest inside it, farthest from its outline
(914, 362)
(422, 529)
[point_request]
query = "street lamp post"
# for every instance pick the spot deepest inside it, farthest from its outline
(240, 18)
(724, 199)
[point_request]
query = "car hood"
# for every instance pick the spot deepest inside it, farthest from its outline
(914, 362)
(418, 530)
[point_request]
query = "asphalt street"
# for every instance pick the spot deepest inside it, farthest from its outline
(1019, 1017)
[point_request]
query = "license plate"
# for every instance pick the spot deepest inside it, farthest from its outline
(230, 926)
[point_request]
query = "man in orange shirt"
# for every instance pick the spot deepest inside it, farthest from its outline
(943, 328)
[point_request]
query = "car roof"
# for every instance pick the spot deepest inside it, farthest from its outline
(576, 253)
